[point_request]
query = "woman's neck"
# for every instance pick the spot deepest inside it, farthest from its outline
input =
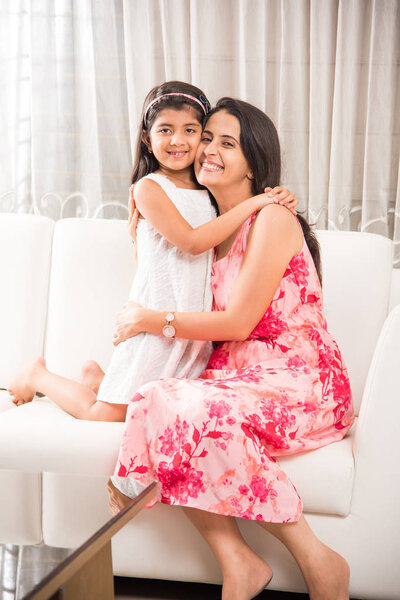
(228, 197)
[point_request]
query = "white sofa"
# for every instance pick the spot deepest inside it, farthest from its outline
(61, 287)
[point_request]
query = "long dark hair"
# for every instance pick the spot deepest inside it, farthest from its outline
(260, 145)
(145, 161)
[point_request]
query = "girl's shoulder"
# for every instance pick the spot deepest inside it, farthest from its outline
(165, 184)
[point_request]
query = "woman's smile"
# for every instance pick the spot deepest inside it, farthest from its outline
(210, 166)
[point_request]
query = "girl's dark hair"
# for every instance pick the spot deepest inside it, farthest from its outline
(260, 145)
(146, 162)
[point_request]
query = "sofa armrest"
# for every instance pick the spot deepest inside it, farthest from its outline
(376, 446)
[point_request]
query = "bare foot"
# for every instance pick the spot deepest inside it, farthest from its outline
(22, 389)
(116, 499)
(248, 575)
(92, 375)
(330, 577)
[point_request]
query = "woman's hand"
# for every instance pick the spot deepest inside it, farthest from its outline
(280, 195)
(133, 220)
(127, 323)
(116, 499)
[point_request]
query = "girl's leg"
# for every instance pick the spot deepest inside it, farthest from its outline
(244, 573)
(92, 375)
(75, 398)
(326, 573)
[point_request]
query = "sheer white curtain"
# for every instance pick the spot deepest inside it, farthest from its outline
(64, 116)
(73, 76)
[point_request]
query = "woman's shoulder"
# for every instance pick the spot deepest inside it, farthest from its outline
(276, 224)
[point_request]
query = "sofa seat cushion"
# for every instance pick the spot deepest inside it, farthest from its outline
(40, 436)
(5, 401)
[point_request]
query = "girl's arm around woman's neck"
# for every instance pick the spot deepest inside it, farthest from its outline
(153, 203)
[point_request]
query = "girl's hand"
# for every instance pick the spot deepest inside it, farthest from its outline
(133, 220)
(127, 323)
(280, 195)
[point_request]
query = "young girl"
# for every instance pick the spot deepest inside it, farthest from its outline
(175, 240)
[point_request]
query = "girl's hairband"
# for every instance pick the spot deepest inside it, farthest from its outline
(201, 100)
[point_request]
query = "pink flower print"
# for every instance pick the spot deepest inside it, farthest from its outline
(137, 397)
(326, 358)
(278, 415)
(173, 439)
(218, 359)
(315, 336)
(219, 409)
(341, 388)
(342, 394)
(264, 433)
(243, 489)
(230, 421)
(221, 445)
(299, 269)
(295, 362)
(310, 407)
(270, 327)
(179, 482)
(258, 486)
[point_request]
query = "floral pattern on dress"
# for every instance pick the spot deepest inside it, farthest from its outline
(213, 443)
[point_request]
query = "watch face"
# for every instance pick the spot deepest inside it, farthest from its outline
(168, 331)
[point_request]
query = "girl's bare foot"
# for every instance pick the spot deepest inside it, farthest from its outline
(22, 389)
(329, 579)
(247, 576)
(92, 375)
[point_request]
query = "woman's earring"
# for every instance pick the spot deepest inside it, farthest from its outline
(251, 175)
(150, 150)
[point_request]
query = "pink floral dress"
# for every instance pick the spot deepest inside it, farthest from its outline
(212, 442)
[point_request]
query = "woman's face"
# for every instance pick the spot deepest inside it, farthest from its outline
(220, 161)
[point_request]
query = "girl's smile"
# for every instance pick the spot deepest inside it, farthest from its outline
(174, 138)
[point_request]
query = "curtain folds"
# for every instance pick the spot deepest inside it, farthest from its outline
(73, 76)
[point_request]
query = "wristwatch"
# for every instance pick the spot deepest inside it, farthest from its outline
(168, 329)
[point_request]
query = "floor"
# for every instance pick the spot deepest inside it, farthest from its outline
(141, 589)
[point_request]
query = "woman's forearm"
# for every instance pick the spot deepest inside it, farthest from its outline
(213, 326)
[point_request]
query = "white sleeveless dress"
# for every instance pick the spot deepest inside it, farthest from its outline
(170, 280)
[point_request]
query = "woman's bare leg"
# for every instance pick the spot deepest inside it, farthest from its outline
(326, 573)
(244, 573)
(75, 398)
(92, 375)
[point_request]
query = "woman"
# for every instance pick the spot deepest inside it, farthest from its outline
(276, 387)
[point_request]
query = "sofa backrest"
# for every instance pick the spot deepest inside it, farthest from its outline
(395, 289)
(25, 255)
(91, 273)
(357, 272)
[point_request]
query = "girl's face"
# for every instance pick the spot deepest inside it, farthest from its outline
(220, 161)
(174, 138)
